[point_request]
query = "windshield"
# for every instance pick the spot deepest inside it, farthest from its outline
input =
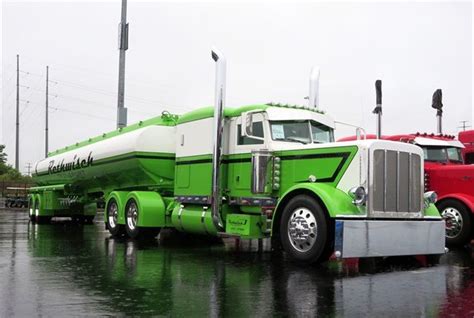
(442, 154)
(304, 131)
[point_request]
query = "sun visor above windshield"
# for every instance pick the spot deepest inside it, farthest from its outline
(438, 142)
(277, 114)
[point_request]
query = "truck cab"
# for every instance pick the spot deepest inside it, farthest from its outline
(284, 176)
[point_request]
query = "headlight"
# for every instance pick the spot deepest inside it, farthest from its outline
(430, 197)
(358, 195)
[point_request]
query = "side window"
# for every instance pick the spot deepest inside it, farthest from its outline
(257, 131)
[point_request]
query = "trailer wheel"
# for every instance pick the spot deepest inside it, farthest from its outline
(112, 219)
(132, 214)
(458, 222)
(304, 230)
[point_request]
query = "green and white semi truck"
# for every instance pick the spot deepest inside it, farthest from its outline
(251, 172)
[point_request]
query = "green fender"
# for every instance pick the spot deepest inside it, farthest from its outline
(151, 208)
(432, 210)
(121, 198)
(335, 201)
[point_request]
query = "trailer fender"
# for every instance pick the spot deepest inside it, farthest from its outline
(151, 208)
(467, 200)
(121, 199)
(334, 201)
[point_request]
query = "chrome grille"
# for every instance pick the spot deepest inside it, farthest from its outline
(396, 183)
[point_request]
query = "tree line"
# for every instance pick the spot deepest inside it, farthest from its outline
(7, 172)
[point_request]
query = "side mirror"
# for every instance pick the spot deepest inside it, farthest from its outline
(247, 125)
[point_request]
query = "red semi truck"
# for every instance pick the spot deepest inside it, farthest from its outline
(467, 138)
(449, 177)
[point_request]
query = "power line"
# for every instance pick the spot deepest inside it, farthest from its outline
(464, 126)
(81, 113)
(28, 167)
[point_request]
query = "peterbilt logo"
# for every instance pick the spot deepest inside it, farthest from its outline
(76, 163)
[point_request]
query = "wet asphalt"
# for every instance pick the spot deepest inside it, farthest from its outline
(69, 269)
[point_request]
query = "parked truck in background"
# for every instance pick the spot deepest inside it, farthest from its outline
(258, 171)
(467, 138)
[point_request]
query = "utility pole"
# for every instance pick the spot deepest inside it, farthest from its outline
(464, 126)
(123, 46)
(46, 116)
(28, 168)
(17, 142)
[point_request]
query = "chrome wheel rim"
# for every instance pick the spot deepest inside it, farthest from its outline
(132, 216)
(454, 222)
(302, 229)
(113, 215)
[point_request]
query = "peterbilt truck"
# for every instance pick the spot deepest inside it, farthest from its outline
(251, 172)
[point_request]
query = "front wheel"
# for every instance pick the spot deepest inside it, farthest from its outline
(304, 230)
(458, 222)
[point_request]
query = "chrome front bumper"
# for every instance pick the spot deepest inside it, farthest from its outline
(374, 238)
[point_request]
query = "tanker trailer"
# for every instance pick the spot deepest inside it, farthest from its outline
(71, 180)
(252, 172)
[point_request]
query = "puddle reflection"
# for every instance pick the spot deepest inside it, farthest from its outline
(66, 268)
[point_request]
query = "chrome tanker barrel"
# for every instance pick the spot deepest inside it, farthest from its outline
(140, 154)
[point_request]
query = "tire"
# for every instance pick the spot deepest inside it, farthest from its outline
(33, 214)
(304, 230)
(114, 228)
(132, 214)
(458, 222)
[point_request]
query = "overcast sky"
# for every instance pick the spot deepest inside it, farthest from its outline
(414, 47)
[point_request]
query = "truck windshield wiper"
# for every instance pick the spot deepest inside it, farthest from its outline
(292, 139)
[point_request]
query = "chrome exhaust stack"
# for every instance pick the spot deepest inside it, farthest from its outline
(438, 105)
(216, 195)
(378, 107)
(313, 99)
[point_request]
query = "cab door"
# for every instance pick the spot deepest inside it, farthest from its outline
(240, 154)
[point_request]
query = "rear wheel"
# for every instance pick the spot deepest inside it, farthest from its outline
(31, 209)
(131, 223)
(112, 219)
(304, 230)
(458, 222)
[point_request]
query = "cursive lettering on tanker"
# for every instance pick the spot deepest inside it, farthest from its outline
(76, 163)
